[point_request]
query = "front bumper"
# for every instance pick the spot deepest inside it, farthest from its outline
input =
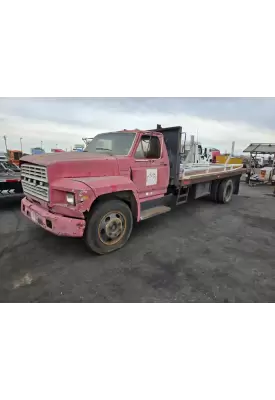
(54, 223)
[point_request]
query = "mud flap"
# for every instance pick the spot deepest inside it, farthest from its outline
(237, 184)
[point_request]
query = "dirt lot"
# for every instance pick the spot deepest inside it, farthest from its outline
(200, 252)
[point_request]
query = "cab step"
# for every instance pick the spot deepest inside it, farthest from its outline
(182, 195)
(152, 212)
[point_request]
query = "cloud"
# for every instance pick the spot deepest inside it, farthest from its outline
(64, 121)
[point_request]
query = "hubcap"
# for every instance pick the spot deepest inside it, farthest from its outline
(112, 228)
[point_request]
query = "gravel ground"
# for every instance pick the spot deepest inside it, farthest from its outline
(200, 252)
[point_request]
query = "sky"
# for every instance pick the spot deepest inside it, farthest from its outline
(63, 122)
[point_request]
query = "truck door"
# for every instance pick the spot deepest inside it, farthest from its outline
(150, 169)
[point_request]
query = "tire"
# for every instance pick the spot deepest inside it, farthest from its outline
(214, 190)
(108, 226)
(225, 192)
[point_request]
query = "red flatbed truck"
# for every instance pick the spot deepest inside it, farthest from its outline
(121, 177)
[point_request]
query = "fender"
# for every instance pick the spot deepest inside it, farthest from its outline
(87, 190)
(110, 184)
(83, 193)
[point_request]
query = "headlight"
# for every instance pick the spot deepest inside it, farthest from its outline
(70, 198)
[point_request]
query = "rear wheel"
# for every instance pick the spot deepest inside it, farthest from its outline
(215, 190)
(225, 192)
(108, 226)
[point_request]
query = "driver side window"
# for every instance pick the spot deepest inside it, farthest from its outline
(148, 148)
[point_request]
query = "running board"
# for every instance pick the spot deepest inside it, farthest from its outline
(152, 212)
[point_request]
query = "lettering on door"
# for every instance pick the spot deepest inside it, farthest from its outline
(151, 176)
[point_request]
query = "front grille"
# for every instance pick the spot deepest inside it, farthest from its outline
(35, 181)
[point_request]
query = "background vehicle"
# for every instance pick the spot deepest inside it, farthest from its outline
(78, 147)
(121, 177)
(198, 153)
(37, 150)
(14, 156)
(10, 180)
(10, 166)
(3, 156)
(57, 151)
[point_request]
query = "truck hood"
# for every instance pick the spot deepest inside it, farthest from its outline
(53, 158)
(75, 164)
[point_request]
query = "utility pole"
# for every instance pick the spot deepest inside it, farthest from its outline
(5, 138)
(232, 148)
(21, 145)
(42, 144)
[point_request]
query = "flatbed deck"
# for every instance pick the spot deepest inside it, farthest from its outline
(194, 175)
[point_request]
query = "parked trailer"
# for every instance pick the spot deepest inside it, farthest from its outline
(10, 180)
(121, 177)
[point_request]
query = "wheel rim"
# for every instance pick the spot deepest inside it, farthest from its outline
(112, 227)
(228, 192)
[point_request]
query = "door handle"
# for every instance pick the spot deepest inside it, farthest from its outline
(163, 163)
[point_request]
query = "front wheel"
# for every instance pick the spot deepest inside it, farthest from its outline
(108, 226)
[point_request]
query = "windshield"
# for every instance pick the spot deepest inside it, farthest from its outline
(114, 143)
